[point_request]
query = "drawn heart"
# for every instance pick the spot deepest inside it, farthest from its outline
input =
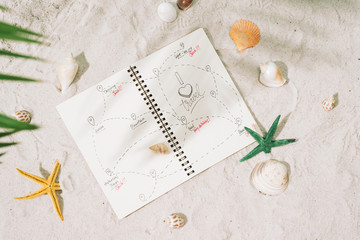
(185, 91)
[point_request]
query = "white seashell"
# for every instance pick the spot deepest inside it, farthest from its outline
(66, 72)
(160, 148)
(23, 116)
(329, 103)
(270, 177)
(175, 221)
(167, 12)
(271, 75)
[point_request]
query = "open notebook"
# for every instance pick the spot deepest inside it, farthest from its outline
(180, 95)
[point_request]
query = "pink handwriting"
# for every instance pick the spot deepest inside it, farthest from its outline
(202, 124)
(252, 127)
(117, 90)
(191, 53)
(119, 185)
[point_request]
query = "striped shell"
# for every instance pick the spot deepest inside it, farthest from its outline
(175, 221)
(160, 148)
(270, 177)
(23, 116)
(329, 103)
(245, 34)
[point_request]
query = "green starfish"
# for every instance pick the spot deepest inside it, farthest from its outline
(266, 143)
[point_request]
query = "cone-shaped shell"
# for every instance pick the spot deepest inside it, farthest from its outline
(329, 103)
(270, 75)
(270, 177)
(160, 148)
(245, 34)
(66, 72)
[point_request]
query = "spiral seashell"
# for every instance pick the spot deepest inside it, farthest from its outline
(329, 103)
(175, 221)
(160, 148)
(245, 34)
(270, 177)
(23, 116)
(270, 75)
(66, 72)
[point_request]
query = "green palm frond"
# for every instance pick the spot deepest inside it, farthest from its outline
(13, 124)
(19, 55)
(11, 32)
(17, 78)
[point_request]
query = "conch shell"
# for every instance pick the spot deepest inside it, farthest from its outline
(270, 75)
(66, 72)
(160, 148)
(245, 34)
(329, 103)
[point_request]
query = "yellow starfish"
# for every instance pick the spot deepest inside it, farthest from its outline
(49, 186)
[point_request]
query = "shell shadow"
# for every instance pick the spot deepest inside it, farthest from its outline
(83, 66)
(283, 69)
(183, 216)
(336, 97)
(281, 126)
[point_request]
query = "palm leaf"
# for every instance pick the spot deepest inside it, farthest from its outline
(2, 154)
(254, 152)
(4, 134)
(17, 78)
(7, 144)
(2, 8)
(9, 28)
(19, 55)
(11, 123)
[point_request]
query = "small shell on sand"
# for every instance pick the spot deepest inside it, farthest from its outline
(160, 148)
(23, 116)
(329, 103)
(245, 34)
(270, 177)
(175, 221)
(167, 12)
(66, 72)
(270, 75)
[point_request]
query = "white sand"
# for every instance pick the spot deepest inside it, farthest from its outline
(318, 41)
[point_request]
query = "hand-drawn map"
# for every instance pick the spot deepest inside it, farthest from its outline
(192, 98)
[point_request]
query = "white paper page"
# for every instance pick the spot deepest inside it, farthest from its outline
(114, 127)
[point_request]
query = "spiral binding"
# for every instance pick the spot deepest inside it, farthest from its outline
(155, 110)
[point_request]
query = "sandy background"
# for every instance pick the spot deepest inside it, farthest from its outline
(318, 41)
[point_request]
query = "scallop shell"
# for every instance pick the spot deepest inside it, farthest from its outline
(270, 177)
(175, 221)
(23, 116)
(245, 34)
(66, 72)
(270, 75)
(160, 148)
(167, 12)
(329, 103)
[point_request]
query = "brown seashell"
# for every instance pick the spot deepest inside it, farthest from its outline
(160, 148)
(245, 34)
(23, 116)
(329, 103)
